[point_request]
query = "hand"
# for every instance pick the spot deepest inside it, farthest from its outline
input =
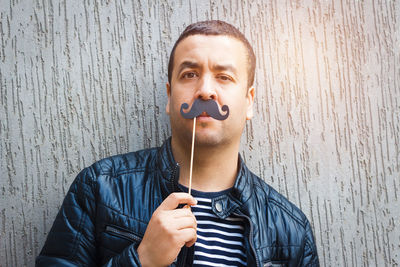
(168, 231)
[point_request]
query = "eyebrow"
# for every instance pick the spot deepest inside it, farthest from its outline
(217, 67)
(228, 67)
(188, 64)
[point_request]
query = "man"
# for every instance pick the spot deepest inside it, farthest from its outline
(127, 210)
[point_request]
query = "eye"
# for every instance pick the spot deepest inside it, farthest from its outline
(225, 77)
(189, 75)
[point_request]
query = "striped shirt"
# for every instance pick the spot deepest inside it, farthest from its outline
(220, 242)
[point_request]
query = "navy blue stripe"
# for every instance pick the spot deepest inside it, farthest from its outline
(197, 209)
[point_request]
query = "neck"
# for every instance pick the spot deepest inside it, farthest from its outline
(214, 167)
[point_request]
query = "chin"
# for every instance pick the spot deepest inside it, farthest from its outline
(209, 140)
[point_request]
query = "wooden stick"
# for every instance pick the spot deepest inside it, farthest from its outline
(191, 156)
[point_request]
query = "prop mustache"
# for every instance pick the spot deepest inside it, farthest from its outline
(209, 106)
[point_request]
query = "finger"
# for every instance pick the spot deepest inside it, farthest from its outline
(185, 222)
(188, 207)
(174, 199)
(189, 236)
(178, 213)
(190, 243)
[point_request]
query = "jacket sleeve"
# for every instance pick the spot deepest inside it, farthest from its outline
(310, 255)
(72, 239)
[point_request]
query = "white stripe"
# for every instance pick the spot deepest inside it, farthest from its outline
(219, 232)
(201, 207)
(203, 199)
(234, 251)
(224, 225)
(219, 240)
(212, 264)
(219, 257)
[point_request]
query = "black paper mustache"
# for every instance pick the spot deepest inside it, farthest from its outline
(209, 106)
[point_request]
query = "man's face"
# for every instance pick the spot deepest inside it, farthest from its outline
(210, 67)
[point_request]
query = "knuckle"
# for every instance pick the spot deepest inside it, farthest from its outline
(169, 234)
(159, 219)
(174, 196)
(154, 217)
(194, 233)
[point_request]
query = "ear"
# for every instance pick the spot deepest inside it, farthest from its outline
(250, 102)
(169, 97)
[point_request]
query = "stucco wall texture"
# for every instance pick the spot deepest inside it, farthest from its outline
(82, 80)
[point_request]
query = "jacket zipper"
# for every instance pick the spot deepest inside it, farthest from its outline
(123, 233)
(250, 236)
(174, 172)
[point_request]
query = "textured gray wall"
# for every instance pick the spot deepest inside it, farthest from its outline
(81, 80)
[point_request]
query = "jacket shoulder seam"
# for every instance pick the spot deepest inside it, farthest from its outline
(116, 174)
(111, 171)
(270, 199)
(128, 171)
(299, 220)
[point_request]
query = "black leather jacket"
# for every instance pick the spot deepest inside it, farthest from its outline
(106, 211)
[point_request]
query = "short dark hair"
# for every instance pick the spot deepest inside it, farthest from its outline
(216, 27)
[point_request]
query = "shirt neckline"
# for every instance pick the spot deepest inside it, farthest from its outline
(210, 195)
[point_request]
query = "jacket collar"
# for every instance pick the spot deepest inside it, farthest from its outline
(240, 193)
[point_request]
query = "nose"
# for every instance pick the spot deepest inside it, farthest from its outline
(206, 88)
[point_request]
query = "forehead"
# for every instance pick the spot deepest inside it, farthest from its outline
(211, 49)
